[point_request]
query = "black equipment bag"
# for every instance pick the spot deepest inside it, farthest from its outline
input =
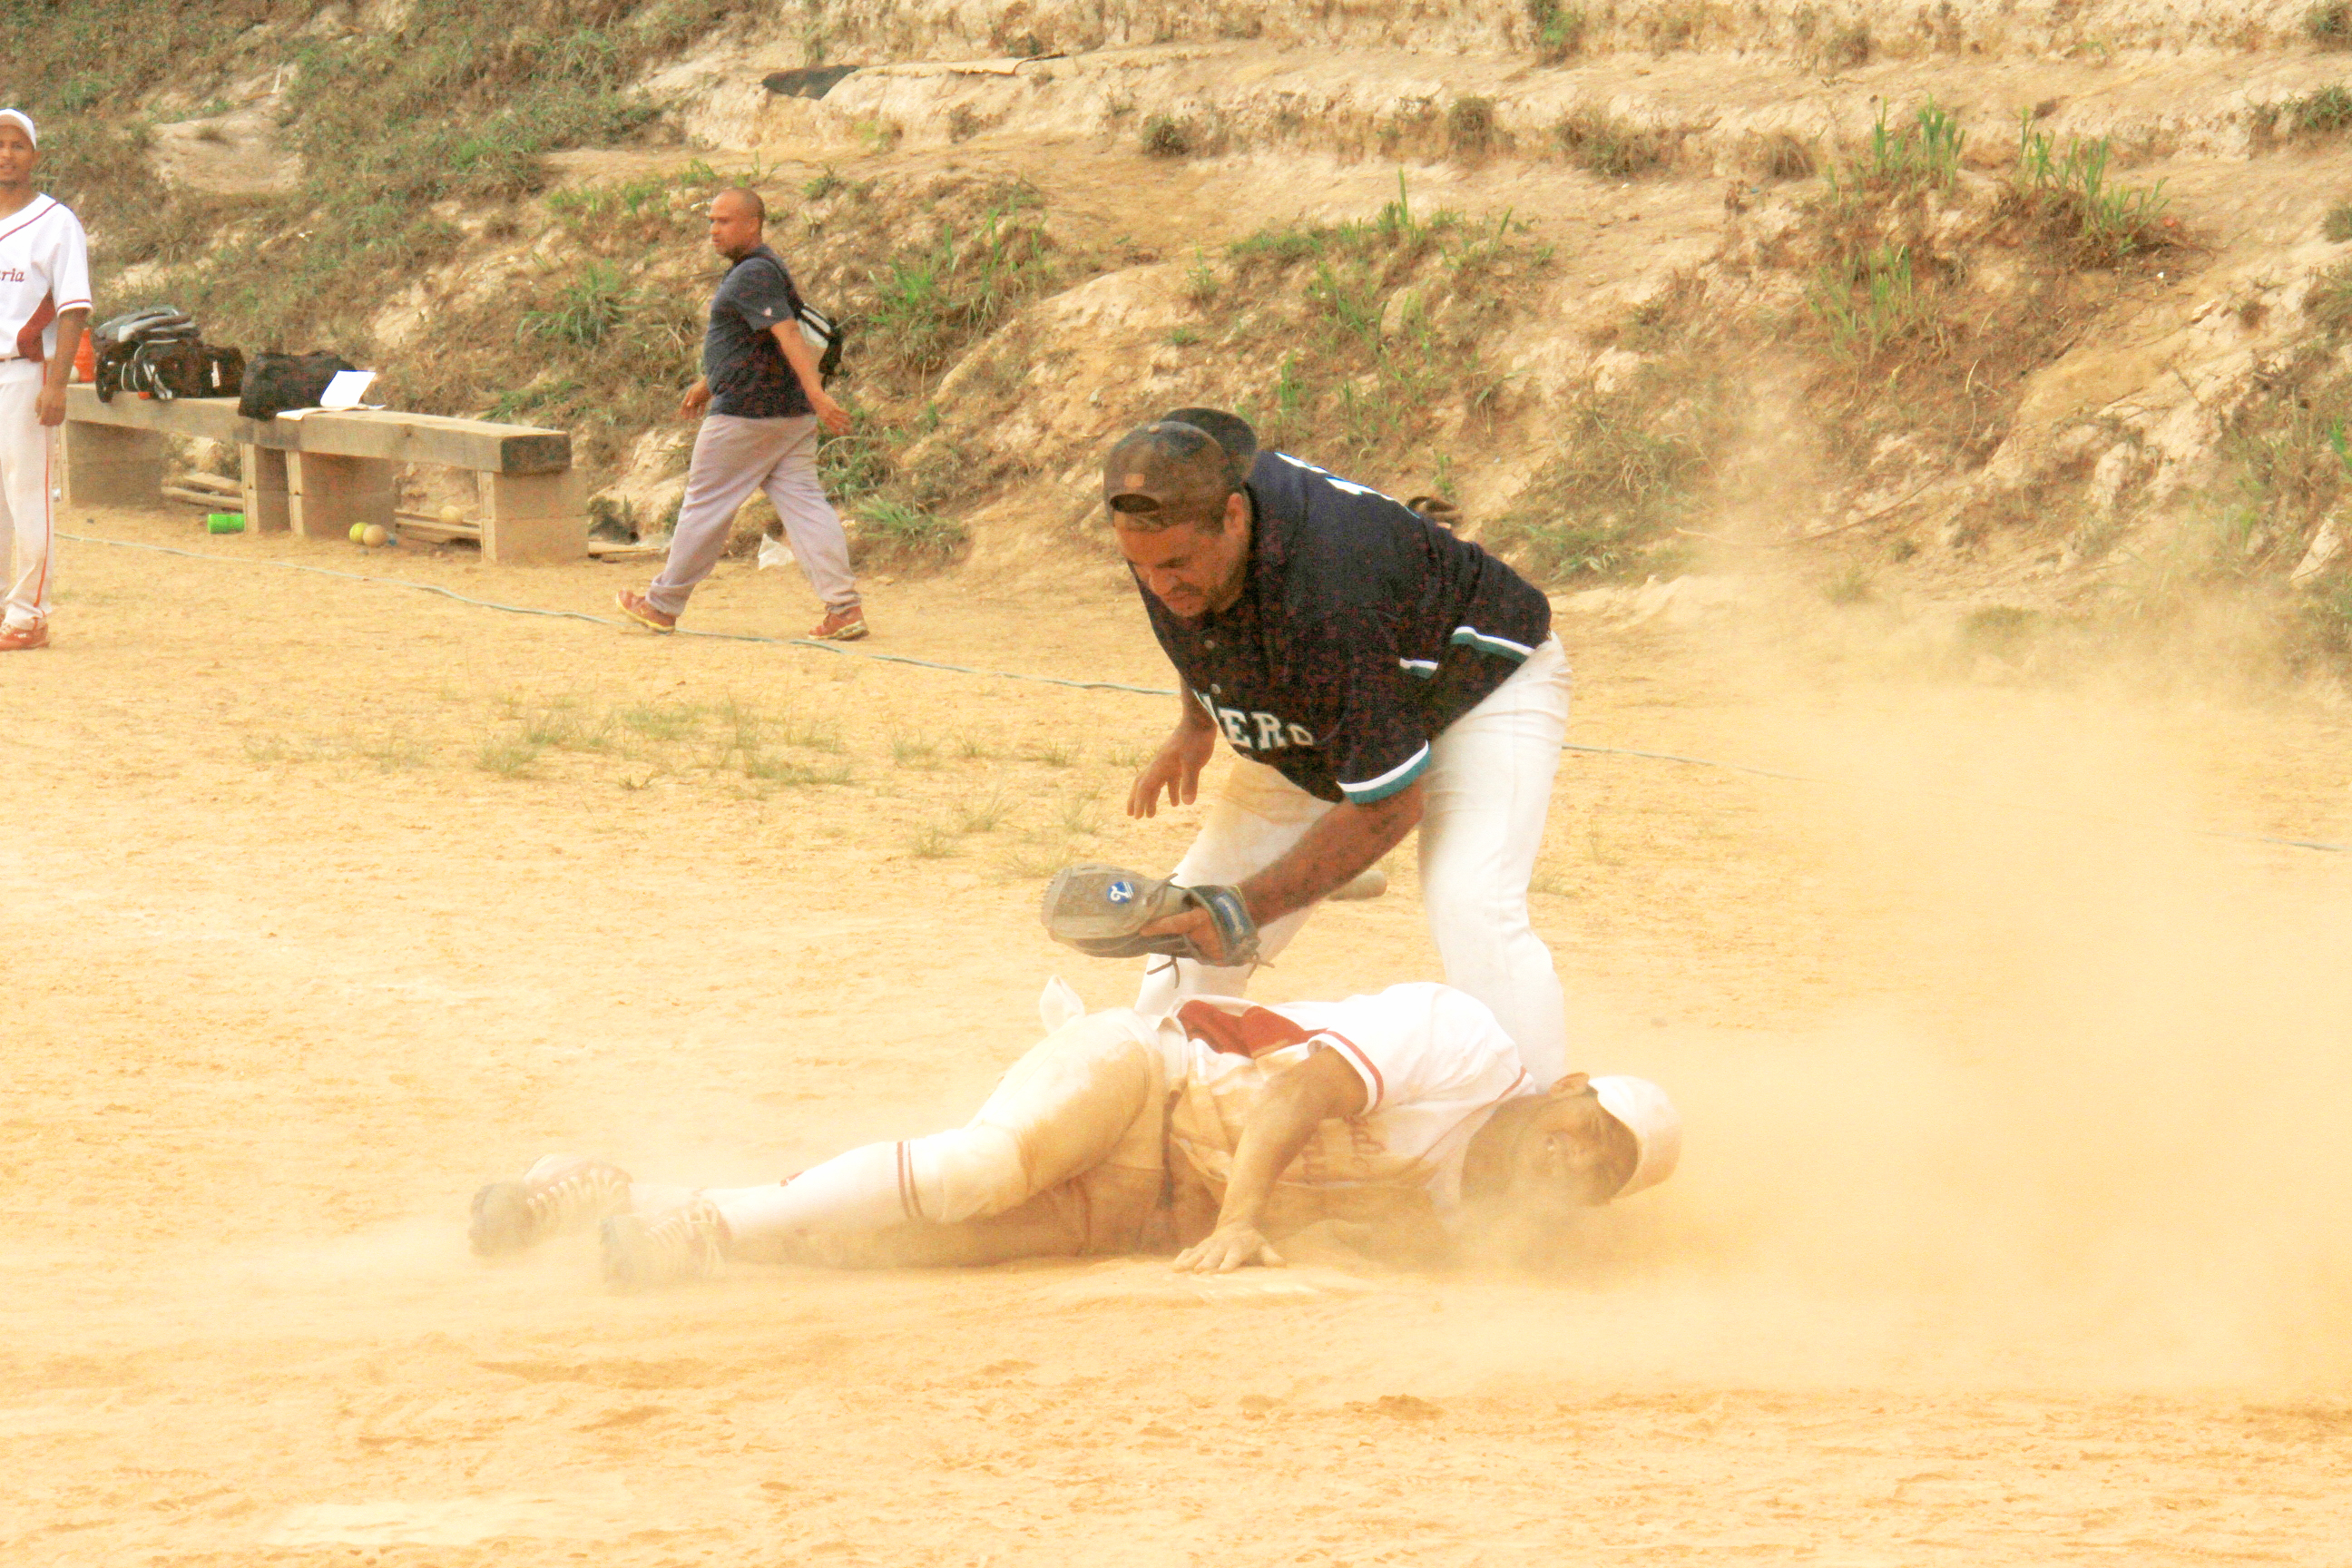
(183, 369)
(158, 352)
(128, 347)
(275, 383)
(224, 372)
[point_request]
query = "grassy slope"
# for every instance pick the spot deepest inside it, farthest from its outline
(417, 143)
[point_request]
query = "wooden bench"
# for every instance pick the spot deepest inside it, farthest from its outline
(319, 474)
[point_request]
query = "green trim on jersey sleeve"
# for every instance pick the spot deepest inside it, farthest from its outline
(1501, 647)
(1388, 783)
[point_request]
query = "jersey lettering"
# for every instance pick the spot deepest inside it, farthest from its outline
(1255, 731)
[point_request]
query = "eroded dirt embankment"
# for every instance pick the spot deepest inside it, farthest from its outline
(1644, 291)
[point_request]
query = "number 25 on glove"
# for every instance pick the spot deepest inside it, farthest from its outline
(1103, 910)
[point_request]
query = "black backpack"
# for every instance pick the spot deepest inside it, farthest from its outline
(159, 352)
(276, 383)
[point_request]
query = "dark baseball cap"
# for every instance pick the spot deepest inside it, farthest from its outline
(1230, 431)
(1167, 472)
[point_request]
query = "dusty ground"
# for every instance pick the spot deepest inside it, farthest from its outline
(2013, 1229)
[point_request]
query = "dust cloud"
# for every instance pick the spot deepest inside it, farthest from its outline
(2077, 1117)
(2012, 1173)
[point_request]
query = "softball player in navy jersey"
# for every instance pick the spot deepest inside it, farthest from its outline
(1373, 675)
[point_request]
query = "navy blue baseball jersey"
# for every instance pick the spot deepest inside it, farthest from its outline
(1362, 631)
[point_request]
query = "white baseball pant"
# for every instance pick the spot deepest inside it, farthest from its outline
(1487, 792)
(1063, 1158)
(732, 457)
(27, 475)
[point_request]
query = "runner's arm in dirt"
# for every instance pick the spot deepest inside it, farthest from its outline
(832, 414)
(1293, 1104)
(1344, 841)
(49, 403)
(1177, 766)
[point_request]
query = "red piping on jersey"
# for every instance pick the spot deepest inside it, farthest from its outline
(49, 533)
(910, 1202)
(1380, 1084)
(1251, 1032)
(1254, 1031)
(28, 336)
(37, 216)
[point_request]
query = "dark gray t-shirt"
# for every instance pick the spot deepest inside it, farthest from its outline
(749, 374)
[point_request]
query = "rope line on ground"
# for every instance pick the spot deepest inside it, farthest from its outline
(879, 657)
(608, 621)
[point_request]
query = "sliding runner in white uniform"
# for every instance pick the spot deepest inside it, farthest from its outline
(44, 305)
(1212, 1131)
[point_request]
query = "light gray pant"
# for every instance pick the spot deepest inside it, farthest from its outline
(732, 457)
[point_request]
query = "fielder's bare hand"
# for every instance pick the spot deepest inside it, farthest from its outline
(829, 414)
(1196, 925)
(1228, 1247)
(697, 399)
(1176, 769)
(50, 405)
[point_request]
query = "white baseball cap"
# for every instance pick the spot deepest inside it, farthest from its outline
(1656, 1126)
(20, 118)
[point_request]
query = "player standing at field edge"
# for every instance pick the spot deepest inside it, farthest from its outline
(1374, 674)
(764, 399)
(44, 305)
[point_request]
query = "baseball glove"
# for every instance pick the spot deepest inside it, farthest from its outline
(1102, 910)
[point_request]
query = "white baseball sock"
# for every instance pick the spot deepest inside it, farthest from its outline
(865, 1189)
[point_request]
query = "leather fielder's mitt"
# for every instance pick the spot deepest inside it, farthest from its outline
(1102, 910)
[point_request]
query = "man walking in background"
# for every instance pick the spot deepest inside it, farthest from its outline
(44, 304)
(761, 399)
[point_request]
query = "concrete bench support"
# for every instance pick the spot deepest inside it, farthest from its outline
(321, 472)
(109, 466)
(266, 509)
(530, 518)
(325, 494)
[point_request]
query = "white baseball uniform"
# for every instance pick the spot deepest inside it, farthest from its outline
(43, 270)
(1071, 1152)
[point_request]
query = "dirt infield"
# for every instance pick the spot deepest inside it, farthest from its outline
(2015, 1226)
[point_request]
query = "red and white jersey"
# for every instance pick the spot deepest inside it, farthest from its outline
(44, 269)
(1434, 1063)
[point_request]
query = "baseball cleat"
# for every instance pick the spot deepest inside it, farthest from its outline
(841, 625)
(687, 1243)
(22, 639)
(560, 1193)
(640, 609)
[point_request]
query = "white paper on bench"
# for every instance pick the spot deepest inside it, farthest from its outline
(346, 389)
(352, 383)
